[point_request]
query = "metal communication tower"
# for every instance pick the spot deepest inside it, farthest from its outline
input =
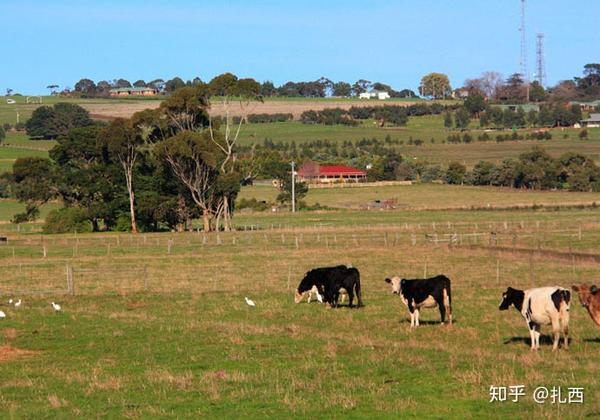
(523, 61)
(540, 75)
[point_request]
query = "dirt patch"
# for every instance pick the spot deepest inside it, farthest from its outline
(9, 333)
(136, 304)
(109, 110)
(8, 353)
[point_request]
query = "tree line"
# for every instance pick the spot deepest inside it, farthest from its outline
(319, 88)
(557, 114)
(157, 170)
(395, 115)
(515, 89)
(535, 169)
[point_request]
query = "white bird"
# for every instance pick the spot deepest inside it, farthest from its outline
(10, 301)
(2, 315)
(18, 303)
(56, 306)
(319, 297)
(250, 302)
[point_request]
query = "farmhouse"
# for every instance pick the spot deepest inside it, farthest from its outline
(374, 94)
(588, 106)
(593, 121)
(134, 91)
(313, 173)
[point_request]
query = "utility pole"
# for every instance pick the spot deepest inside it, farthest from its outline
(293, 187)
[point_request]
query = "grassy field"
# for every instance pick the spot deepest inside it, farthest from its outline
(17, 145)
(425, 128)
(189, 345)
(426, 196)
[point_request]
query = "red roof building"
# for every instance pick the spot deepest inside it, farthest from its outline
(312, 172)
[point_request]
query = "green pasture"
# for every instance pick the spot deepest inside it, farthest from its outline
(425, 196)
(189, 346)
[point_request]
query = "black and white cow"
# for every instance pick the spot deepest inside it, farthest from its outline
(541, 306)
(424, 293)
(329, 281)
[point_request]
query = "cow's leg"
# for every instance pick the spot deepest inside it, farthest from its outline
(342, 298)
(310, 294)
(350, 298)
(447, 304)
(555, 331)
(536, 336)
(565, 328)
(442, 313)
(412, 319)
(416, 317)
(531, 326)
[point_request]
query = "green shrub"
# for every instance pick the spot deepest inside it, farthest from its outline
(253, 203)
(67, 220)
(123, 223)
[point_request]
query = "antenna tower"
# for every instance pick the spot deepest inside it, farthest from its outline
(541, 68)
(523, 61)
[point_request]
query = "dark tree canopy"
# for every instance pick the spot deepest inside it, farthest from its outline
(51, 122)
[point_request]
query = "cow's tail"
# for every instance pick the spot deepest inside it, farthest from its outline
(448, 300)
(357, 289)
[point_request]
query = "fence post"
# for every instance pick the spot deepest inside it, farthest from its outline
(498, 271)
(146, 278)
(70, 282)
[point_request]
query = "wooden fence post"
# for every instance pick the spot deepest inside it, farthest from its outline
(146, 278)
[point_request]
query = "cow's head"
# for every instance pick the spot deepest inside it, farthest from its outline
(396, 283)
(305, 285)
(298, 296)
(585, 293)
(511, 297)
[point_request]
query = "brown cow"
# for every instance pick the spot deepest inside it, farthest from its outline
(590, 300)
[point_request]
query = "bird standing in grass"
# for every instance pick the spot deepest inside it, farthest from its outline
(56, 306)
(10, 301)
(2, 315)
(18, 303)
(250, 302)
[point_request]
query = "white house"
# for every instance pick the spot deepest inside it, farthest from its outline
(378, 94)
(383, 95)
(593, 121)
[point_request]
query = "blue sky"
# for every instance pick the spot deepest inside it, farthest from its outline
(395, 42)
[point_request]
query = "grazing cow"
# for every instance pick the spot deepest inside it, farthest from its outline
(424, 293)
(541, 306)
(329, 282)
(313, 294)
(590, 300)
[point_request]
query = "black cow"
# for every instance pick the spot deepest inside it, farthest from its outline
(424, 293)
(329, 281)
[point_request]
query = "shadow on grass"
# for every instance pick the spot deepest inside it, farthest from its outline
(427, 322)
(545, 340)
(592, 340)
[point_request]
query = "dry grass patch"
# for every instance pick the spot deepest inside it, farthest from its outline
(182, 380)
(9, 333)
(9, 353)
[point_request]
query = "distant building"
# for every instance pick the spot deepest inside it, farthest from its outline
(313, 173)
(593, 121)
(587, 106)
(515, 107)
(460, 93)
(134, 91)
(374, 94)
